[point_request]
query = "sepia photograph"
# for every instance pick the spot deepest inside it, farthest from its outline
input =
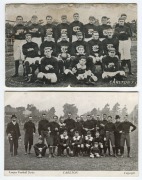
(85, 133)
(76, 45)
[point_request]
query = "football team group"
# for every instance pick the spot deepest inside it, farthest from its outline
(55, 53)
(85, 136)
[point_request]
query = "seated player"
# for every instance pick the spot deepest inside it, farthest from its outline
(99, 139)
(63, 144)
(83, 73)
(49, 68)
(89, 29)
(76, 142)
(40, 148)
(96, 49)
(63, 50)
(95, 151)
(88, 143)
(32, 59)
(111, 67)
(48, 43)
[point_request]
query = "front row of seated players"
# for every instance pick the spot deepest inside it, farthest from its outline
(79, 59)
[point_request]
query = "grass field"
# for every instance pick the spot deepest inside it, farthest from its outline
(130, 81)
(30, 162)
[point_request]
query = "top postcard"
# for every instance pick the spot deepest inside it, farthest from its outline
(75, 45)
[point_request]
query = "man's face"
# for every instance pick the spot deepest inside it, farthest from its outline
(40, 141)
(64, 20)
(88, 117)
(124, 17)
(76, 17)
(110, 33)
(65, 133)
(55, 119)
(98, 117)
(34, 20)
(69, 115)
(49, 37)
(80, 50)
(49, 20)
(28, 38)
(78, 119)
(14, 119)
(76, 134)
(121, 22)
(92, 21)
(30, 118)
(118, 120)
(61, 120)
(64, 37)
(104, 20)
(104, 117)
(47, 52)
(95, 35)
(111, 53)
(19, 20)
(80, 37)
(82, 62)
(44, 116)
(126, 118)
(109, 119)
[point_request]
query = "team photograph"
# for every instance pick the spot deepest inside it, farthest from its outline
(76, 45)
(71, 131)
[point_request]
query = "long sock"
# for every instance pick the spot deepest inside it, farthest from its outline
(54, 149)
(128, 149)
(113, 150)
(26, 148)
(30, 146)
(16, 66)
(122, 150)
(50, 150)
(67, 151)
(129, 65)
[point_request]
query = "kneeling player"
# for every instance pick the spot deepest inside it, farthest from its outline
(40, 148)
(95, 152)
(49, 67)
(98, 139)
(76, 142)
(83, 73)
(88, 143)
(111, 67)
(32, 59)
(63, 144)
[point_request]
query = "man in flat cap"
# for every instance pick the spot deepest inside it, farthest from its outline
(13, 134)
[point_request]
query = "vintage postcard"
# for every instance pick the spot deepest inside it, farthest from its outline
(76, 45)
(71, 134)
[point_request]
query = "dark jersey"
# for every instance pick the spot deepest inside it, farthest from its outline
(116, 126)
(110, 127)
(43, 126)
(70, 123)
(63, 140)
(122, 33)
(54, 127)
(19, 32)
(98, 139)
(62, 127)
(35, 30)
(63, 46)
(40, 145)
(48, 44)
(76, 45)
(89, 29)
(29, 128)
(63, 28)
(80, 69)
(110, 43)
(127, 25)
(50, 28)
(30, 49)
(75, 27)
(49, 61)
(110, 64)
(14, 130)
(89, 124)
(76, 140)
(125, 127)
(95, 47)
(78, 126)
(101, 127)
(103, 30)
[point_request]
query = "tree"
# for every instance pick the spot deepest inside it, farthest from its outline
(115, 110)
(70, 108)
(106, 109)
(51, 113)
(124, 111)
(94, 111)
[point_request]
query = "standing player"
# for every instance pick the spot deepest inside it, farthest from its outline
(125, 130)
(103, 28)
(89, 29)
(88, 125)
(49, 67)
(70, 125)
(96, 50)
(19, 31)
(29, 128)
(78, 125)
(63, 28)
(32, 59)
(50, 27)
(76, 26)
(117, 134)
(35, 30)
(13, 134)
(123, 33)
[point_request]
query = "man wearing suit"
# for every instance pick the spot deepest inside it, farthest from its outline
(13, 133)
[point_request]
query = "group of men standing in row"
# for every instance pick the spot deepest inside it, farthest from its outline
(91, 137)
(52, 53)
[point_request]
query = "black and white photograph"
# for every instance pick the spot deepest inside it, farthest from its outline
(83, 132)
(75, 45)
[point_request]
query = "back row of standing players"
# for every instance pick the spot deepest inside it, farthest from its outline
(77, 137)
(72, 48)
